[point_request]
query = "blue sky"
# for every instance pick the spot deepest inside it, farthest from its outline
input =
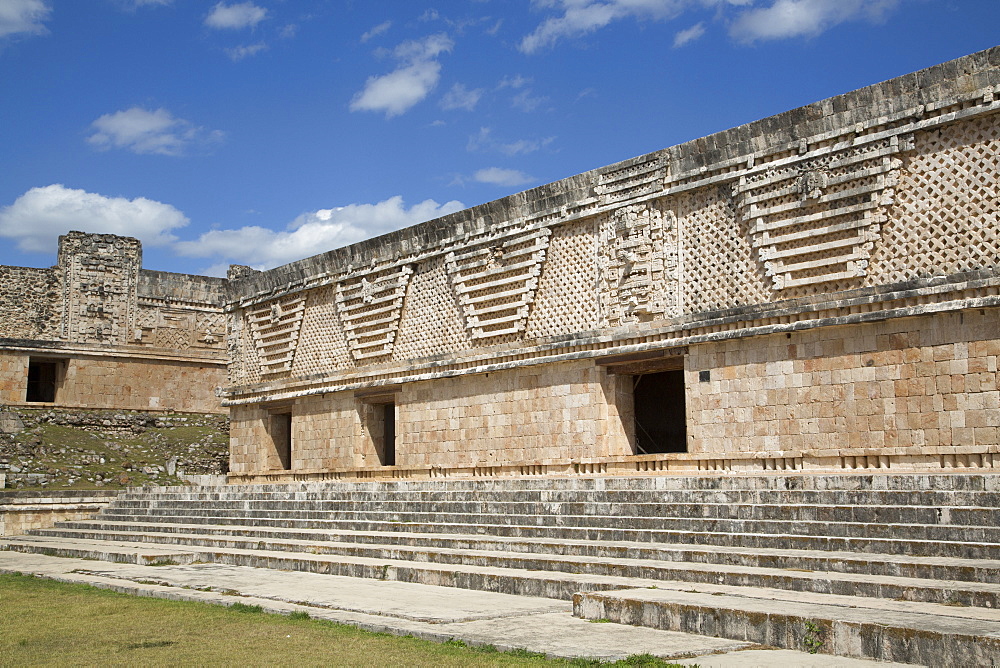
(263, 131)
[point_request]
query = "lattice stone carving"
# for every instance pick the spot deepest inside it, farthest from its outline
(275, 327)
(431, 323)
(946, 218)
(495, 278)
(565, 302)
(637, 258)
(370, 305)
(636, 178)
(323, 346)
(816, 221)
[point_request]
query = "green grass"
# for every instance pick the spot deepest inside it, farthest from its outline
(50, 623)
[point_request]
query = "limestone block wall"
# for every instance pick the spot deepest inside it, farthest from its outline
(119, 382)
(13, 377)
(920, 385)
(556, 412)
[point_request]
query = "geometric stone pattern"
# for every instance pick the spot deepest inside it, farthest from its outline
(370, 305)
(565, 299)
(275, 327)
(431, 323)
(815, 222)
(720, 267)
(946, 218)
(495, 277)
(322, 345)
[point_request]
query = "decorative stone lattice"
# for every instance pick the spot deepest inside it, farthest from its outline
(815, 221)
(275, 327)
(947, 213)
(179, 329)
(100, 286)
(637, 259)
(370, 304)
(565, 301)
(720, 268)
(322, 346)
(431, 323)
(495, 278)
(639, 177)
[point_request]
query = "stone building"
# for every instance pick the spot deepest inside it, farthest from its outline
(818, 290)
(99, 331)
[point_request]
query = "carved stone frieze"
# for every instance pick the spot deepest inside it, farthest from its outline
(638, 262)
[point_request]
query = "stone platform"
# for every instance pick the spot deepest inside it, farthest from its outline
(887, 567)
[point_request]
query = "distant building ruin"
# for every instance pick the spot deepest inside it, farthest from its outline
(99, 331)
(815, 291)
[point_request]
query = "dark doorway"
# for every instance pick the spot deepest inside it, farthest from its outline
(281, 436)
(387, 454)
(43, 377)
(660, 416)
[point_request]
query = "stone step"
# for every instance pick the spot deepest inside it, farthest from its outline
(807, 497)
(961, 515)
(950, 546)
(883, 630)
(634, 567)
(799, 481)
(940, 568)
(795, 527)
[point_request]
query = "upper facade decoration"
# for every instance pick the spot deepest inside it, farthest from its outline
(816, 219)
(724, 235)
(495, 277)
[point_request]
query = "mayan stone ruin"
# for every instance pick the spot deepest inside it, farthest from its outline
(99, 331)
(815, 291)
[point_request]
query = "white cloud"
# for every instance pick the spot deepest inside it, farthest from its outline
(235, 16)
(23, 16)
(798, 18)
(143, 131)
(135, 4)
(485, 141)
(312, 233)
(691, 34)
(238, 53)
(417, 75)
(526, 100)
(37, 218)
(460, 97)
(777, 20)
(502, 177)
(516, 81)
(581, 17)
(376, 31)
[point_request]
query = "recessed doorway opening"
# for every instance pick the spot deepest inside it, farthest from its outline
(660, 412)
(44, 377)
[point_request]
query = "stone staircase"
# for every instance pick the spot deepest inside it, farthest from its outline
(899, 567)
